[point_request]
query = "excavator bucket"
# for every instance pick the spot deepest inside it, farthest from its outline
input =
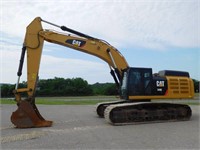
(28, 116)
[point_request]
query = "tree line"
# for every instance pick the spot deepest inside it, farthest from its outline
(64, 87)
(69, 87)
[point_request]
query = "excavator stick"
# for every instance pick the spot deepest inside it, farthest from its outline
(28, 116)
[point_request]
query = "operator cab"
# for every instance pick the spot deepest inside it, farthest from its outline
(136, 81)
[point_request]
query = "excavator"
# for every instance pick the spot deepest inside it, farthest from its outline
(136, 86)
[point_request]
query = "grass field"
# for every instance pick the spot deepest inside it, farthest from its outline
(85, 100)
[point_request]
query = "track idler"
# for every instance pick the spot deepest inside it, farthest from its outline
(28, 116)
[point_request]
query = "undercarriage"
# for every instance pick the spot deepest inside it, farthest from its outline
(125, 112)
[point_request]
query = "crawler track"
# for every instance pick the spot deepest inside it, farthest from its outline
(146, 112)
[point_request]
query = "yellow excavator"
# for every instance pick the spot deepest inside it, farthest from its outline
(137, 86)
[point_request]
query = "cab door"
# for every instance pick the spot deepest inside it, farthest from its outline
(139, 81)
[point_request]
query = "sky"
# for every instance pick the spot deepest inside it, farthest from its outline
(157, 34)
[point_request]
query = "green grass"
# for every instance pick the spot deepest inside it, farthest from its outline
(64, 100)
(82, 100)
(7, 101)
(59, 102)
(192, 103)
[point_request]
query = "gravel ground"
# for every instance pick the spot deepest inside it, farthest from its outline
(78, 127)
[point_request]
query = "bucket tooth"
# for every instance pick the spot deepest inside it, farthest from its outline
(28, 116)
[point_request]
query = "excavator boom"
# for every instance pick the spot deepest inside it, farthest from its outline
(27, 114)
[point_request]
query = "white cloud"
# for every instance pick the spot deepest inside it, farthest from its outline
(69, 68)
(9, 59)
(157, 25)
(53, 67)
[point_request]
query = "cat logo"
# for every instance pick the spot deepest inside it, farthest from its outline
(160, 83)
(78, 43)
